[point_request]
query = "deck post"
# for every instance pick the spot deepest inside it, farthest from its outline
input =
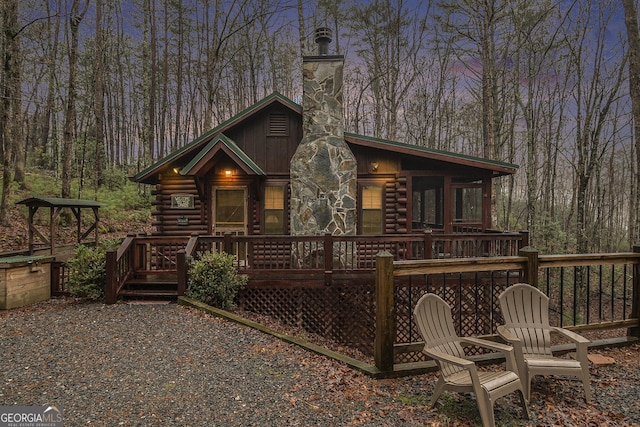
(635, 296)
(385, 316)
(328, 259)
(525, 239)
(428, 244)
(110, 296)
(140, 254)
(530, 273)
(181, 264)
(227, 243)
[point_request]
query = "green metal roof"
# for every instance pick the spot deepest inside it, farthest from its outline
(431, 152)
(500, 168)
(222, 139)
(274, 97)
(59, 202)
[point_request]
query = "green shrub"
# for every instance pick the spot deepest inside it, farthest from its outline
(87, 270)
(214, 280)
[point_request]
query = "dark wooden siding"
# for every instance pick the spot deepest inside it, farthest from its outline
(272, 151)
(169, 221)
(385, 161)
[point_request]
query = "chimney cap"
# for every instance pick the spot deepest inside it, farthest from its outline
(323, 38)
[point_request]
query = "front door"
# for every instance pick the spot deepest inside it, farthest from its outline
(230, 214)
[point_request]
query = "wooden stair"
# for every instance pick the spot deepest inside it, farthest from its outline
(154, 285)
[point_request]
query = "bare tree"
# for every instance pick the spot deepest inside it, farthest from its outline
(52, 31)
(76, 14)
(633, 39)
(98, 102)
(389, 38)
(10, 105)
(597, 88)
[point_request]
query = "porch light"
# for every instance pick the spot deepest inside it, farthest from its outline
(374, 166)
(176, 170)
(228, 172)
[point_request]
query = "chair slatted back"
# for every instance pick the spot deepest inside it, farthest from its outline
(526, 313)
(435, 324)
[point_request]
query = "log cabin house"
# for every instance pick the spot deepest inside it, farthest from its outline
(305, 207)
(283, 187)
(280, 168)
(236, 178)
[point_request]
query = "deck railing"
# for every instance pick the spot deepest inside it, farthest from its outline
(593, 292)
(139, 255)
(328, 284)
(328, 252)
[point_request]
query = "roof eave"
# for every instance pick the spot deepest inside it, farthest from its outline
(498, 168)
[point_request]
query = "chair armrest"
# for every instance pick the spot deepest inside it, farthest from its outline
(448, 358)
(507, 350)
(507, 335)
(578, 339)
(487, 344)
(582, 343)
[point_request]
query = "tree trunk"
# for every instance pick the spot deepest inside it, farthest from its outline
(48, 160)
(633, 36)
(99, 96)
(10, 90)
(68, 133)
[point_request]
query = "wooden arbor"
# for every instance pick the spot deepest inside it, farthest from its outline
(56, 205)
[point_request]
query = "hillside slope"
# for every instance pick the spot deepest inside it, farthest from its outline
(125, 211)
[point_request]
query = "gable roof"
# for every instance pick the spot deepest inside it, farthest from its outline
(149, 175)
(200, 150)
(221, 143)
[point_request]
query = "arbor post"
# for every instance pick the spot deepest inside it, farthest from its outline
(385, 316)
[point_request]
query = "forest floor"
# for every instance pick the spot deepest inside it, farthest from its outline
(615, 387)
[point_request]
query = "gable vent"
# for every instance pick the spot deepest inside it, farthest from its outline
(278, 125)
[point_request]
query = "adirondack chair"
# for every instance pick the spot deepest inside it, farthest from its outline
(441, 343)
(526, 316)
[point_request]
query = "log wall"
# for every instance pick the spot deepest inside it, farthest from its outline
(171, 221)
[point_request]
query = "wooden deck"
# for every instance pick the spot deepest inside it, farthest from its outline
(328, 286)
(157, 266)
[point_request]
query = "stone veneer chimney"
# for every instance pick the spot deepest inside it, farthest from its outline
(323, 169)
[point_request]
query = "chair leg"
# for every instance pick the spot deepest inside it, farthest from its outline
(437, 391)
(523, 402)
(485, 405)
(587, 387)
(526, 383)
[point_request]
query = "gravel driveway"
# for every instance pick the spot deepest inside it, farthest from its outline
(153, 364)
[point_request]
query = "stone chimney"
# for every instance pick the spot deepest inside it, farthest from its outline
(323, 169)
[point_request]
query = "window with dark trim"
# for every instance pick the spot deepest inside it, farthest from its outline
(427, 202)
(467, 204)
(371, 212)
(274, 214)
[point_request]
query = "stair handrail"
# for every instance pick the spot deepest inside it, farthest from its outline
(117, 270)
(184, 256)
